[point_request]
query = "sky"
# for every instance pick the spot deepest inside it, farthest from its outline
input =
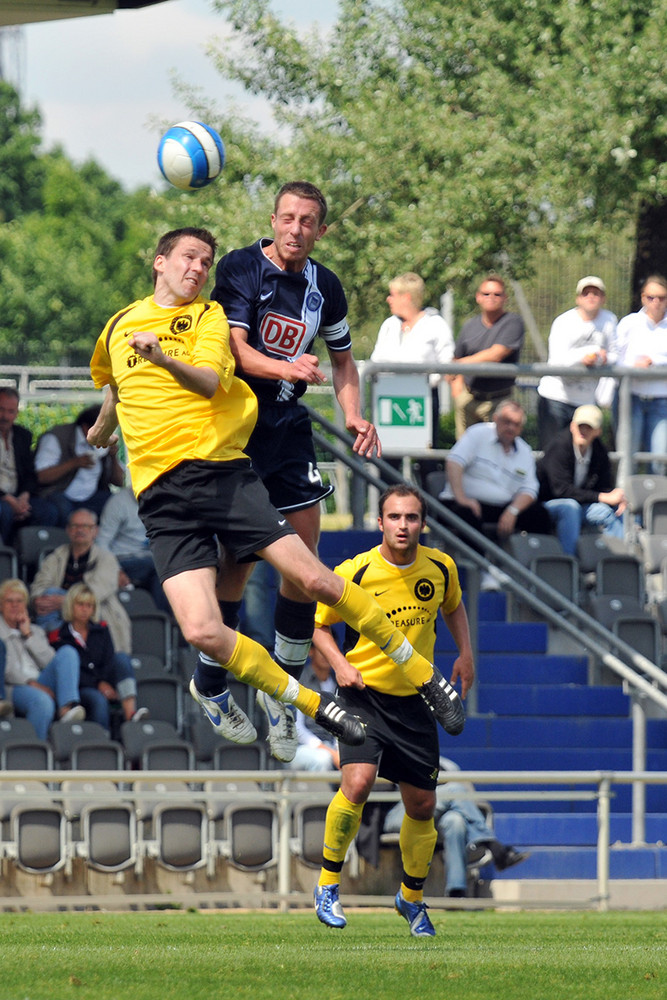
(100, 82)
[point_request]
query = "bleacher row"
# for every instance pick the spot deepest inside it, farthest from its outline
(621, 583)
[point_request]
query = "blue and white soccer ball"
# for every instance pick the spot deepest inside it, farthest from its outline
(190, 155)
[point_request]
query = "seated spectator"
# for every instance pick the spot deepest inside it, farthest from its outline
(122, 533)
(316, 750)
(40, 683)
(467, 838)
(71, 473)
(577, 483)
(19, 503)
(580, 336)
(82, 561)
(491, 479)
(105, 676)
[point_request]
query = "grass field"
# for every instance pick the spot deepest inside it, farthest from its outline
(177, 955)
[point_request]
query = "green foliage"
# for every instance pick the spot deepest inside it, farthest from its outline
(20, 168)
(264, 956)
(456, 138)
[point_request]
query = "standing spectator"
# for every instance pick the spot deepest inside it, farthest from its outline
(491, 478)
(580, 336)
(277, 300)
(82, 561)
(467, 838)
(71, 473)
(122, 533)
(414, 585)
(414, 335)
(19, 503)
(493, 336)
(105, 676)
(577, 483)
(317, 751)
(642, 343)
(39, 682)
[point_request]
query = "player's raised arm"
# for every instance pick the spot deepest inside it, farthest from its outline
(201, 380)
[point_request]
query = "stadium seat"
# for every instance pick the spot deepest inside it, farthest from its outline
(64, 736)
(162, 695)
(33, 542)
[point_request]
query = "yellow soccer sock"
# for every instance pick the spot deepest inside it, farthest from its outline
(417, 841)
(341, 826)
(251, 663)
(365, 615)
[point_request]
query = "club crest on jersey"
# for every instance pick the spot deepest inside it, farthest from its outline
(181, 324)
(313, 301)
(283, 335)
(424, 590)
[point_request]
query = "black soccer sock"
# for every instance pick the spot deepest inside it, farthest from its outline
(294, 624)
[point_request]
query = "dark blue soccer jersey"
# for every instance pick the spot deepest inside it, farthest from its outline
(282, 311)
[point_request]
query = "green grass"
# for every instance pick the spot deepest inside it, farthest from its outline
(259, 956)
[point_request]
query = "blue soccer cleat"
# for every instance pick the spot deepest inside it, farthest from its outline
(416, 916)
(328, 906)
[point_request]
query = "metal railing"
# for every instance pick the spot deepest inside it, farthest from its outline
(279, 789)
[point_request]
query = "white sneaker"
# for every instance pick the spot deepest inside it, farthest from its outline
(76, 713)
(282, 726)
(225, 715)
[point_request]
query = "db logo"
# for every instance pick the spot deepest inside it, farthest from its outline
(282, 335)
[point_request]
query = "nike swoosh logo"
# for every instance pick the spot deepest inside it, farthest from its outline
(378, 593)
(273, 719)
(265, 297)
(280, 523)
(216, 718)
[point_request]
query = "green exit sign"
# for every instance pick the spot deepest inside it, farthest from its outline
(401, 411)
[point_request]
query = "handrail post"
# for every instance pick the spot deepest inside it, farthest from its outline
(604, 797)
(284, 854)
(638, 764)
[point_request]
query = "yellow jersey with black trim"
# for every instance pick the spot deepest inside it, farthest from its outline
(163, 423)
(411, 596)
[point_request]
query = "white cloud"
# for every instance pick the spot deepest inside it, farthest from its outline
(100, 81)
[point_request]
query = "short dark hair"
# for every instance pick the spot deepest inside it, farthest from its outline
(168, 241)
(402, 490)
(88, 416)
(9, 390)
(303, 189)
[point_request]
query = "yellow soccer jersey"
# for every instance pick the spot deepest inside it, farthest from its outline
(411, 595)
(164, 424)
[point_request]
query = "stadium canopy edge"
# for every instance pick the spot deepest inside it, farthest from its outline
(13, 12)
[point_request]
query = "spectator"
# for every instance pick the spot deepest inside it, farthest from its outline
(316, 750)
(577, 483)
(466, 836)
(82, 561)
(494, 335)
(122, 533)
(105, 676)
(642, 343)
(414, 335)
(73, 474)
(39, 682)
(19, 503)
(580, 336)
(492, 480)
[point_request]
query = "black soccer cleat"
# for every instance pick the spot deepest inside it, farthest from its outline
(444, 702)
(345, 727)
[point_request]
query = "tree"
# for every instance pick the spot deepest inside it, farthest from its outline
(67, 266)
(456, 138)
(20, 168)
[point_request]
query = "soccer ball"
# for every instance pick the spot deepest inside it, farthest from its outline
(190, 155)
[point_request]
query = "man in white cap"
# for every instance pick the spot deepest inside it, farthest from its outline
(577, 483)
(580, 336)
